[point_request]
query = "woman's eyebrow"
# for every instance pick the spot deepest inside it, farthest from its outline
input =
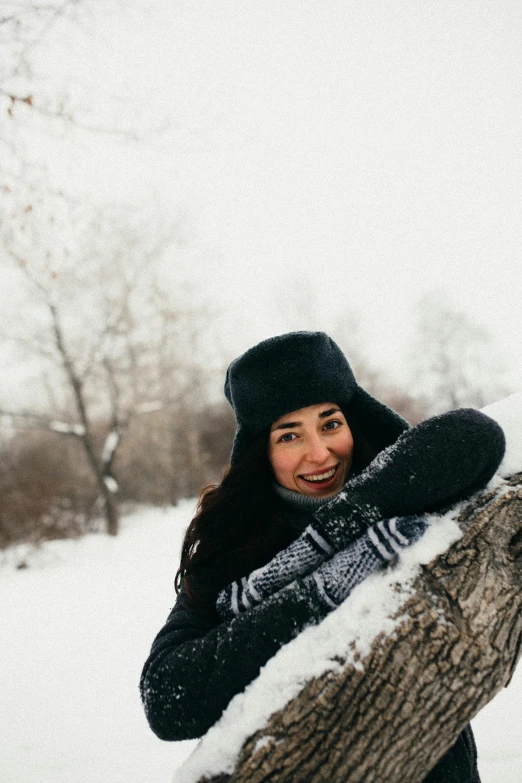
(291, 424)
(329, 412)
(287, 425)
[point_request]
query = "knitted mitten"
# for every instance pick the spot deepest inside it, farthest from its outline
(333, 582)
(301, 557)
(318, 542)
(334, 579)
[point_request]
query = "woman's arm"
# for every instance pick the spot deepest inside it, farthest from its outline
(195, 667)
(437, 463)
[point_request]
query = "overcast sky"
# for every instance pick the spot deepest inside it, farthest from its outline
(366, 152)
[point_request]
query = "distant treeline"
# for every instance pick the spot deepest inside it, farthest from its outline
(47, 489)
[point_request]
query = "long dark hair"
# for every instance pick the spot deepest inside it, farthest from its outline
(236, 528)
(239, 524)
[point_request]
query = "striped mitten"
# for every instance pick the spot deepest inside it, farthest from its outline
(301, 557)
(316, 544)
(333, 582)
(335, 578)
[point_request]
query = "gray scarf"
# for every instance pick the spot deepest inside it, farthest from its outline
(298, 508)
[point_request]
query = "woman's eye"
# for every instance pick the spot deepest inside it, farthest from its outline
(332, 425)
(287, 437)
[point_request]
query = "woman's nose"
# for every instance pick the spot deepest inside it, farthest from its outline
(317, 450)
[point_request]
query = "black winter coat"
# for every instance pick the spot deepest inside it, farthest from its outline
(198, 663)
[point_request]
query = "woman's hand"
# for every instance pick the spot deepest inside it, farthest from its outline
(330, 580)
(379, 547)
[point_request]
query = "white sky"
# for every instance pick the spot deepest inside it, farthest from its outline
(369, 150)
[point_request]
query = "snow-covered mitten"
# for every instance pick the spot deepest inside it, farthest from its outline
(378, 546)
(333, 581)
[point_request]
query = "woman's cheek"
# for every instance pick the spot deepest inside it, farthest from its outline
(284, 465)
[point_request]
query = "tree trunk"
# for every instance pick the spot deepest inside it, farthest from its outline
(112, 517)
(455, 646)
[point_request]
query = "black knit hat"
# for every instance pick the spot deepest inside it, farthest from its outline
(292, 371)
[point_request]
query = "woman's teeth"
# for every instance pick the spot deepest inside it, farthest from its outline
(321, 476)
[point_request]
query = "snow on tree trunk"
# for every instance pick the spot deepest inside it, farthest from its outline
(109, 447)
(390, 712)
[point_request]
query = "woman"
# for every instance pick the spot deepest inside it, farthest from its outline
(326, 485)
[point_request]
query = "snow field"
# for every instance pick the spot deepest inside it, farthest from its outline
(77, 626)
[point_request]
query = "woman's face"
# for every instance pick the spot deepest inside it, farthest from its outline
(311, 450)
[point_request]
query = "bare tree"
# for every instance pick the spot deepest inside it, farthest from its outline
(103, 337)
(181, 383)
(91, 322)
(455, 362)
(391, 710)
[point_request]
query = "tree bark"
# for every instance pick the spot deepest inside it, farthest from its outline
(455, 646)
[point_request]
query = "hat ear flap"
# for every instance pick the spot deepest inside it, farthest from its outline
(380, 424)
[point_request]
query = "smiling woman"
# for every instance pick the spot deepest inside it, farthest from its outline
(326, 485)
(311, 450)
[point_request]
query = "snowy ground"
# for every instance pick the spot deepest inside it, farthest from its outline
(76, 627)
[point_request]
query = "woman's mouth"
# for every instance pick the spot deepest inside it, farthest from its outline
(322, 479)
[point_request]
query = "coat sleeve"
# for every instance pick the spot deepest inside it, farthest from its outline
(195, 666)
(437, 463)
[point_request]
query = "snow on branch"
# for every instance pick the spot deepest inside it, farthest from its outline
(67, 429)
(149, 407)
(111, 484)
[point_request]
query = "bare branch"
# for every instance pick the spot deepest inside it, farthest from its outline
(44, 422)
